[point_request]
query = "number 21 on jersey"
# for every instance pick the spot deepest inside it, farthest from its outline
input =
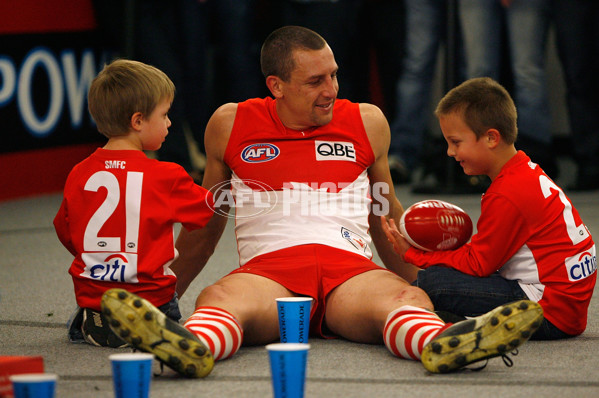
(104, 256)
(577, 233)
(583, 264)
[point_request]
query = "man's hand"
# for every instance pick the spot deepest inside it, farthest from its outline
(400, 244)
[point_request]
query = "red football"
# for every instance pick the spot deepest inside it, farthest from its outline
(435, 225)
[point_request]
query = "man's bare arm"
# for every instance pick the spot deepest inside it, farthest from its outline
(383, 191)
(196, 247)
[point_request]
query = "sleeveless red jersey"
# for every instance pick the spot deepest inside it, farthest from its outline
(299, 187)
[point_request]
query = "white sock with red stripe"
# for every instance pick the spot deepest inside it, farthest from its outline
(408, 329)
(218, 329)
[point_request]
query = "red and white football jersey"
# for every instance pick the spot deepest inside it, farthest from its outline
(117, 219)
(306, 186)
(529, 231)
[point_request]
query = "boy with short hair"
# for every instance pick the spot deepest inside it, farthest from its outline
(530, 243)
(119, 208)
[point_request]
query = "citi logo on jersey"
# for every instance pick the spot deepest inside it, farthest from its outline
(258, 153)
(335, 150)
(582, 265)
(110, 267)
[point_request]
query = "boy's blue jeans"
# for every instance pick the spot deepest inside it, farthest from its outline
(466, 295)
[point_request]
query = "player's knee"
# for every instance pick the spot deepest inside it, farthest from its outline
(214, 295)
(412, 295)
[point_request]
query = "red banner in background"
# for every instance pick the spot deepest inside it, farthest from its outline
(50, 52)
(44, 16)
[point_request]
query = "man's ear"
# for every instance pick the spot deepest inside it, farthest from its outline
(493, 137)
(136, 121)
(274, 84)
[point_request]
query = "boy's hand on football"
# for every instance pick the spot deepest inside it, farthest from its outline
(400, 244)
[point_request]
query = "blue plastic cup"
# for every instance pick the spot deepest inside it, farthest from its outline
(288, 368)
(34, 385)
(294, 319)
(131, 374)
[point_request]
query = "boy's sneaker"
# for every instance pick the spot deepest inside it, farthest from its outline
(493, 334)
(96, 331)
(145, 327)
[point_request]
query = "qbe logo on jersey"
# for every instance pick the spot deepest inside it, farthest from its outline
(258, 153)
(335, 150)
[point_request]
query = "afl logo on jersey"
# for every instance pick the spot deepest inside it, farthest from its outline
(258, 153)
